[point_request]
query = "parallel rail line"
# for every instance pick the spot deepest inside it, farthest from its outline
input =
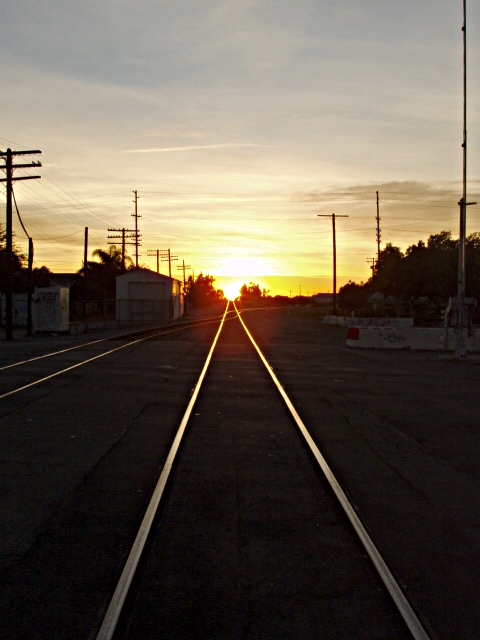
(117, 602)
(132, 338)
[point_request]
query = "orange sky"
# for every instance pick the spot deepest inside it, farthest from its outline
(238, 125)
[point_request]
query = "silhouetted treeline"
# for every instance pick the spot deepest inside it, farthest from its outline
(200, 291)
(40, 276)
(425, 270)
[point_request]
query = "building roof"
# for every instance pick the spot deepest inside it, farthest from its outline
(146, 275)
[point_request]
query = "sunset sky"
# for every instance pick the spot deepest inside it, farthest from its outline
(238, 122)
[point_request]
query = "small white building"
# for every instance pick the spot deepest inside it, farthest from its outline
(51, 309)
(146, 297)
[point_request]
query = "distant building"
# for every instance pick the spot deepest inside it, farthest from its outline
(64, 279)
(146, 297)
(322, 298)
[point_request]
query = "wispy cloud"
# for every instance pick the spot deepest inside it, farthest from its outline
(194, 147)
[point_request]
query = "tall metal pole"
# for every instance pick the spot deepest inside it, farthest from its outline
(460, 350)
(333, 216)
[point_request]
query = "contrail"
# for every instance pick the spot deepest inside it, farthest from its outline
(193, 147)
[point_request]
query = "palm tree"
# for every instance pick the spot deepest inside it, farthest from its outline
(101, 275)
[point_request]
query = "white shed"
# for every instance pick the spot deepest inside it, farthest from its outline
(146, 297)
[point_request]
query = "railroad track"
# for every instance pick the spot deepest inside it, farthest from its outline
(253, 536)
(37, 369)
(174, 597)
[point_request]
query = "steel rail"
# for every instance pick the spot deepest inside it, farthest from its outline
(120, 336)
(92, 359)
(115, 607)
(409, 616)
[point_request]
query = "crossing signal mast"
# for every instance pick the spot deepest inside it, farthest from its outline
(9, 167)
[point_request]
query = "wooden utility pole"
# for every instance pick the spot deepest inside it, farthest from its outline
(9, 167)
(155, 252)
(85, 256)
(333, 216)
(166, 256)
(378, 229)
(371, 262)
(137, 235)
(184, 267)
(123, 237)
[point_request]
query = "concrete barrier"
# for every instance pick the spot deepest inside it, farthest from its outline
(429, 339)
(349, 321)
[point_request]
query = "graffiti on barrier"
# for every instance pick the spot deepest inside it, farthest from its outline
(394, 338)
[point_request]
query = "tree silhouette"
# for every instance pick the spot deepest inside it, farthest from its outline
(425, 270)
(387, 278)
(201, 292)
(18, 260)
(101, 275)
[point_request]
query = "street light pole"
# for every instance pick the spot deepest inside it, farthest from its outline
(333, 216)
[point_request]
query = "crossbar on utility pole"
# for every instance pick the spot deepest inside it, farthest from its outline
(123, 237)
(155, 252)
(333, 216)
(166, 256)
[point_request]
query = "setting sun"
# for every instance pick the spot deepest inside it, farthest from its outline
(232, 290)
(245, 267)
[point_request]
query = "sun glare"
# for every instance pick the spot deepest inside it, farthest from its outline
(232, 291)
(235, 271)
(244, 266)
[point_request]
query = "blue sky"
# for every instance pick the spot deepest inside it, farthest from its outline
(238, 123)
